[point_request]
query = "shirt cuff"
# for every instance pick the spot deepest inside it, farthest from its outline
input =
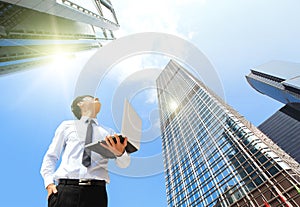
(123, 161)
(48, 181)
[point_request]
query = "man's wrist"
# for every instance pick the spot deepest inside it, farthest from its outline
(120, 155)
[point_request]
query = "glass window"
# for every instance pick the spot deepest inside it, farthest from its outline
(273, 170)
(258, 181)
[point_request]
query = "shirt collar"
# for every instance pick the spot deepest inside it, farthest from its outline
(85, 119)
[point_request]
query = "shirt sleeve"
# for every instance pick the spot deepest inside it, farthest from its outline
(123, 161)
(52, 155)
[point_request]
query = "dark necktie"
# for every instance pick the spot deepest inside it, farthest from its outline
(86, 158)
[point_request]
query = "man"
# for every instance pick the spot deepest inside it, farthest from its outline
(81, 175)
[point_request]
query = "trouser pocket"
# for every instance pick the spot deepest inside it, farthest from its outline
(52, 200)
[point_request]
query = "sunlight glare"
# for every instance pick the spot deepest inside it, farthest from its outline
(173, 105)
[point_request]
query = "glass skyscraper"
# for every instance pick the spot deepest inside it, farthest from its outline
(212, 155)
(35, 31)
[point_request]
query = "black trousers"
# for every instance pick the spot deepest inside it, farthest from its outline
(78, 196)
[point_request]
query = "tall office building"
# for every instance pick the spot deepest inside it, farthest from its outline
(212, 155)
(281, 81)
(32, 31)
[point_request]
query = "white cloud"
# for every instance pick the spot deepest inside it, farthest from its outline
(152, 15)
(133, 64)
(191, 35)
(168, 16)
(151, 96)
(125, 68)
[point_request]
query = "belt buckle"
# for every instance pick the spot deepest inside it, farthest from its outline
(84, 182)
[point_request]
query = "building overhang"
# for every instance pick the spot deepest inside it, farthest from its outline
(66, 9)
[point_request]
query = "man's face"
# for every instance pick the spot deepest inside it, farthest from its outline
(90, 104)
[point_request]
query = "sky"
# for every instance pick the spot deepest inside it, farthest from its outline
(234, 36)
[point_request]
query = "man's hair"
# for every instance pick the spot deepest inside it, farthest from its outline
(75, 108)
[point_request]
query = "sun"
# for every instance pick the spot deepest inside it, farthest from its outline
(173, 105)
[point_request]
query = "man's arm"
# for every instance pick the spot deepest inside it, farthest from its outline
(123, 161)
(51, 157)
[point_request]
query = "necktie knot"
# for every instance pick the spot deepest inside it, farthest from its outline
(90, 121)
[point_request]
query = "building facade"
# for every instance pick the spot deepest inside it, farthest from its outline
(281, 81)
(283, 128)
(212, 155)
(33, 31)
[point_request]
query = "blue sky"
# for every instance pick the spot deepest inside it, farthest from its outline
(234, 35)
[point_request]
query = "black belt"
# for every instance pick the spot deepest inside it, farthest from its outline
(81, 182)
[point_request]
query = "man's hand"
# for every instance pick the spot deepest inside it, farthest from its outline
(51, 188)
(117, 148)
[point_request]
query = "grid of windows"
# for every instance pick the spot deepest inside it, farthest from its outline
(277, 131)
(210, 157)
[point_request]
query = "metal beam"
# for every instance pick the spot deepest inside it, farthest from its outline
(67, 9)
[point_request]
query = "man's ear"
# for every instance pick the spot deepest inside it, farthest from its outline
(79, 103)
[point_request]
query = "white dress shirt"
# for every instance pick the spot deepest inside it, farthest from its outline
(68, 142)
